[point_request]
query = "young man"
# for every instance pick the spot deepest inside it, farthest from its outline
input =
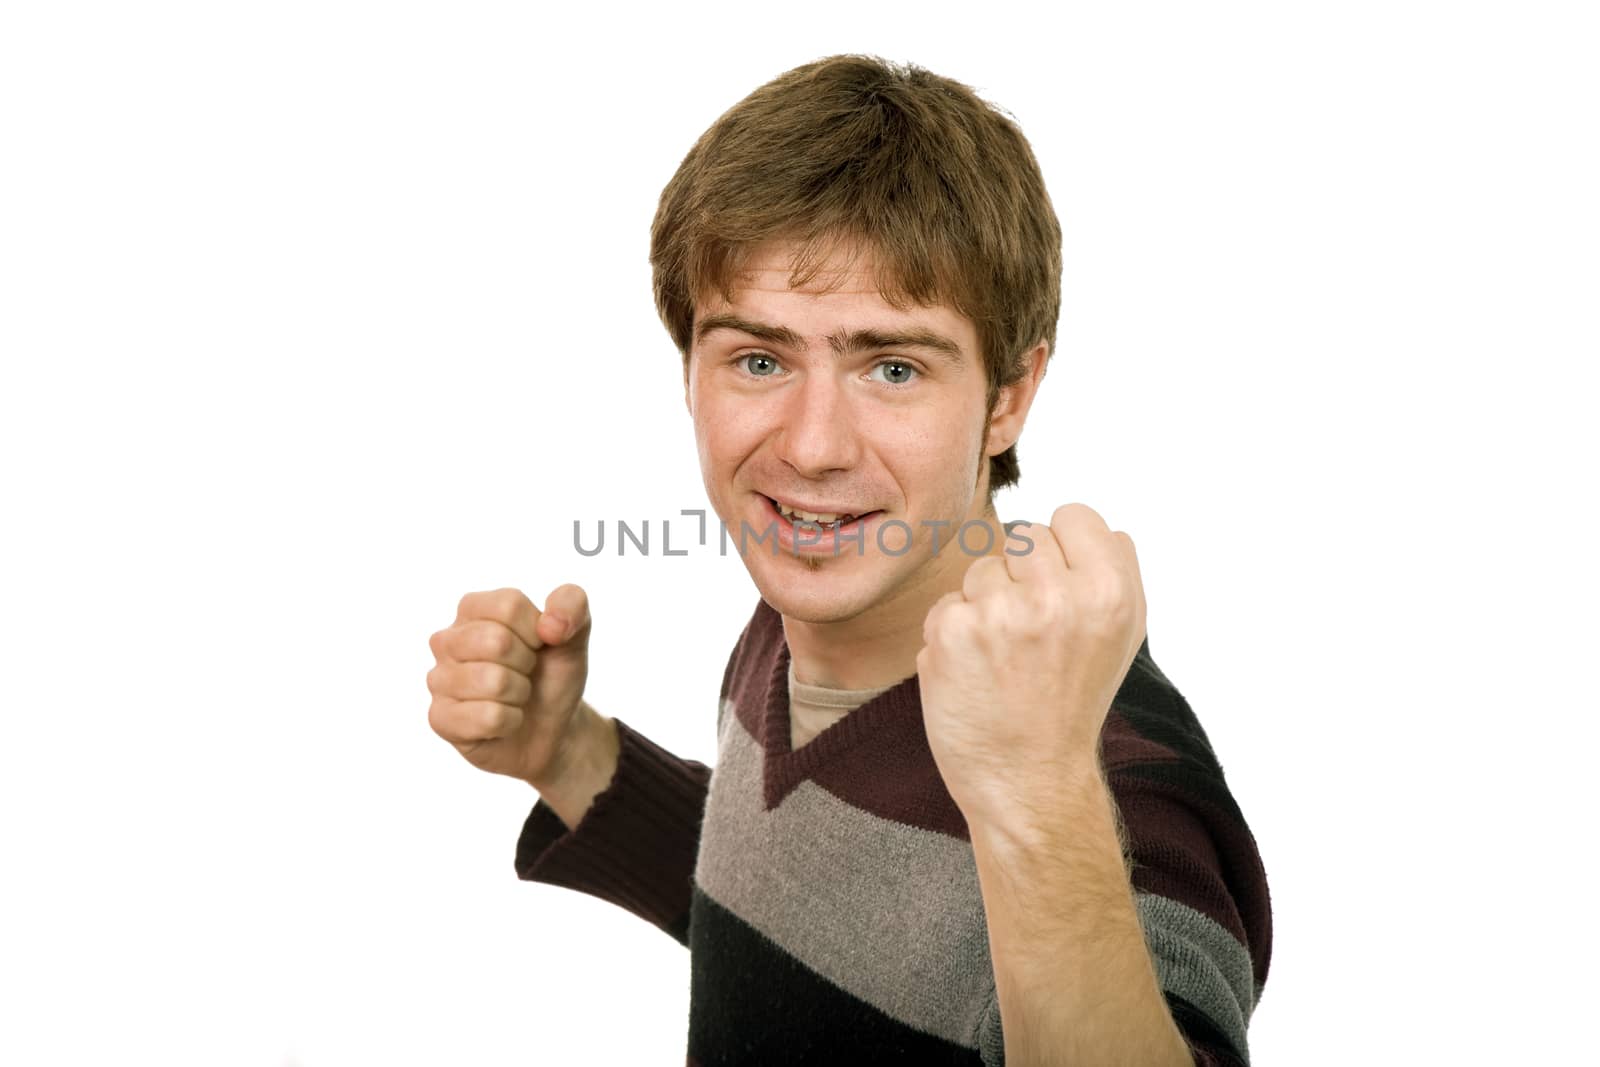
(958, 814)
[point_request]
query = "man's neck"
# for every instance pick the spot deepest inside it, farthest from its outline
(879, 646)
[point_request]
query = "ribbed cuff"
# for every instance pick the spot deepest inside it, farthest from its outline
(637, 843)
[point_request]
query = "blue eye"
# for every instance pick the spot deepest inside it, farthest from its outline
(761, 357)
(906, 371)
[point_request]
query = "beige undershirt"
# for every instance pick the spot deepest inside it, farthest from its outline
(814, 708)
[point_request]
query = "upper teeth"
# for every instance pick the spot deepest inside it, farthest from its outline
(810, 516)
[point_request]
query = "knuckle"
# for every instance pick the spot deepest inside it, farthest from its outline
(1067, 514)
(508, 601)
(439, 719)
(487, 718)
(497, 604)
(497, 641)
(490, 680)
(1048, 604)
(437, 678)
(486, 639)
(1109, 600)
(496, 719)
(955, 626)
(1125, 609)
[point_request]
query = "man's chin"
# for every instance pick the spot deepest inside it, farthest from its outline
(815, 596)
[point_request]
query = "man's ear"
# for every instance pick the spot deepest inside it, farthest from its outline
(1012, 404)
(687, 404)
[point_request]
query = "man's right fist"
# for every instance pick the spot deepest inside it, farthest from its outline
(508, 680)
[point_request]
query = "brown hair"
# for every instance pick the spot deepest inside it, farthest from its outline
(853, 149)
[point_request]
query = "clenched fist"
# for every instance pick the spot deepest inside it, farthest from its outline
(508, 682)
(1021, 664)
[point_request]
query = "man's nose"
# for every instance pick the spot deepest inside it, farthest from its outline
(818, 434)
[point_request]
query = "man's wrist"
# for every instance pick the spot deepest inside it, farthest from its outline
(584, 765)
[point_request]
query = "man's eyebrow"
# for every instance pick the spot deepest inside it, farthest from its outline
(843, 342)
(775, 335)
(916, 337)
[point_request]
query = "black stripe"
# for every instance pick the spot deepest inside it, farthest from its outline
(1201, 1034)
(753, 1003)
(1159, 713)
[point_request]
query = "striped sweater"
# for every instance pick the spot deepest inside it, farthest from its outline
(829, 895)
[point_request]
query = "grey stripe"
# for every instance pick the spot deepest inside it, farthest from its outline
(1201, 962)
(890, 913)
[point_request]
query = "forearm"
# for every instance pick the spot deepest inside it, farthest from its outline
(1072, 972)
(587, 767)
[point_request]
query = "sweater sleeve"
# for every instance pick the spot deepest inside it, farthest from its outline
(636, 845)
(1199, 885)
(1201, 895)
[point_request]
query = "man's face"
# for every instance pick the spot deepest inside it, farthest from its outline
(837, 403)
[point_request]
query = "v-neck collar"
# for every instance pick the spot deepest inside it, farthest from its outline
(786, 767)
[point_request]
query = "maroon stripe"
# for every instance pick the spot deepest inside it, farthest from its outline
(1173, 852)
(1121, 744)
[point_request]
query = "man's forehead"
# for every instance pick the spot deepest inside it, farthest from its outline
(829, 277)
(748, 289)
(845, 267)
(757, 293)
(778, 281)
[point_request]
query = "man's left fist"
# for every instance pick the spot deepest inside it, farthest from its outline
(1019, 668)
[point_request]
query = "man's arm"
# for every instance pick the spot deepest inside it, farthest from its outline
(1197, 882)
(1073, 975)
(617, 817)
(636, 811)
(1020, 671)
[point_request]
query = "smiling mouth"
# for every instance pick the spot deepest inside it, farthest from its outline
(820, 520)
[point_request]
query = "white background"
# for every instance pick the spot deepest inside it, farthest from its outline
(315, 316)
